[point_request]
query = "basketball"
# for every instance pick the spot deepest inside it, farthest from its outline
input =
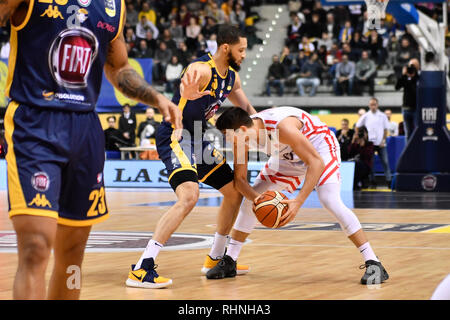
(268, 209)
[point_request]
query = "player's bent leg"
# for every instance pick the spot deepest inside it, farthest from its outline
(70, 243)
(35, 238)
(329, 197)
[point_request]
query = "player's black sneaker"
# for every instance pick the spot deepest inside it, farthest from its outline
(226, 268)
(375, 273)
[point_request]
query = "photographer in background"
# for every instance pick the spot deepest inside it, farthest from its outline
(408, 81)
(361, 151)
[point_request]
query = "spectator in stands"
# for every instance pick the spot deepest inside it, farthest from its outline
(332, 70)
(176, 31)
(210, 27)
(142, 51)
(377, 126)
(276, 76)
(306, 45)
(309, 76)
(325, 41)
(319, 10)
(217, 13)
(147, 128)
(132, 15)
(161, 59)
(335, 52)
(227, 7)
(375, 46)
(167, 38)
(295, 31)
(148, 13)
(127, 125)
(314, 28)
(286, 59)
(365, 73)
(332, 28)
(237, 17)
(345, 136)
(183, 54)
(393, 126)
(358, 44)
(345, 73)
(211, 44)
(298, 62)
(405, 53)
(323, 55)
(113, 137)
(361, 151)
(143, 26)
(130, 37)
(408, 81)
(184, 16)
(152, 44)
(173, 72)
(352, 55)
(192, 32)
(345, 35)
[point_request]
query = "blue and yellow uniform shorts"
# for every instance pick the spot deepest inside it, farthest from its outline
(55, 164)
(191, 160)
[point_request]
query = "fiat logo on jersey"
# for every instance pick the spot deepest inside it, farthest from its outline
(71, 57)
(40, 181)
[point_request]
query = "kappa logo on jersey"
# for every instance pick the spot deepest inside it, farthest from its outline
(40, 201)
(106, 26)
(71, 57)
(110, 8)
(84, 3)
(40, 181)
(53, 12)
(49, 96)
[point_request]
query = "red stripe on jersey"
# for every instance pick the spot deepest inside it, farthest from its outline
(328, 175)
(270, 121)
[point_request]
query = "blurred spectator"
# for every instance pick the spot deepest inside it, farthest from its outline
(343, 81)
(210, 27)
(173, 72)
(276, 76)
(176, 31)
(320, 11)
(144, 25)
(5, 50)
(375, 46)
(211, 44)
(335, 52)
(130, 37)
(183, 54)
(430, 62)
(365, 73)
(152, 44)
(295, 31)
(237, 17)
(345, 35)
(142, 51)
(298, 62)
(332, 28)
(216, 13)
(127, 125)
(357, 43)
(192, 32)
(132, 15)
(147, 128)
(148, 13)
(184, 16)
(345, 136)
(393, 126)
(377, 126)
(325, 41)
(355, 13)
(309, 76)
(352, 55)
(361, 151)
(323, 55)
(227, 7)
(167, 38)
(286, 59)
(113, 137)
(408, 81)
(405, 53)
(161, 59)
(306, 45)
(314, 28)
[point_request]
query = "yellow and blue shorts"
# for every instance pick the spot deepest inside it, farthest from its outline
(55, 163)
(191, 160)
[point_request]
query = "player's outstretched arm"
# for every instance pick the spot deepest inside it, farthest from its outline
(240, 151)
(131, 84)
(8, 9)
(289, 133)
(238, 98)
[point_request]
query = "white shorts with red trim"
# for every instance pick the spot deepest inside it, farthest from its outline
(288, 175)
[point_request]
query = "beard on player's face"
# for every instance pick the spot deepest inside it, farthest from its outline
(232, 62)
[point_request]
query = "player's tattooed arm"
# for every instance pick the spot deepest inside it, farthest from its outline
(122, 76)
(8, 8)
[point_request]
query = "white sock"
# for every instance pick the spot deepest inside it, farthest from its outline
(151, 251)
(234, 248)
(218, 247)
(367, 252)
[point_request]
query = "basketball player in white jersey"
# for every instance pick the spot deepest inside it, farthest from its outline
(302, 148)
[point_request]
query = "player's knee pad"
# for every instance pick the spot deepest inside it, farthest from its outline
(246, 219)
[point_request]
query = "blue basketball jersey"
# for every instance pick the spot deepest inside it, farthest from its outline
(204, 108)
(58, 52)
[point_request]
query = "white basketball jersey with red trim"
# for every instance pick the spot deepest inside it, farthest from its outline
(313, 129)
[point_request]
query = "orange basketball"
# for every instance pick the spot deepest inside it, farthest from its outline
(268, 209)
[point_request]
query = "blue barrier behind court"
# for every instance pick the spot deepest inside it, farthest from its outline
(395, 146)
(152, 174)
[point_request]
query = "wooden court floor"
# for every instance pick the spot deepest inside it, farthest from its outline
(297, 263)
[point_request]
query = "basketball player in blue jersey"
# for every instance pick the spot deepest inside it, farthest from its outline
(205, 84)
(55, 156)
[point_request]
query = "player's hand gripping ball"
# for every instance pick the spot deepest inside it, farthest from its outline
(269, 209)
